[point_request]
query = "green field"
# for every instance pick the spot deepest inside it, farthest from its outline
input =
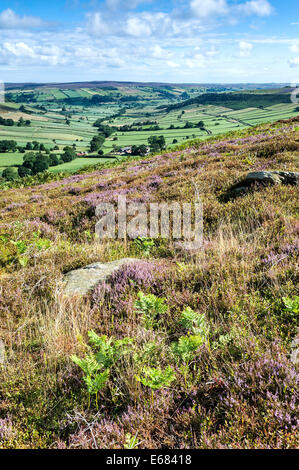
(79, 163)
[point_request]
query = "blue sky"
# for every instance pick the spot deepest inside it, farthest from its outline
(191, 41)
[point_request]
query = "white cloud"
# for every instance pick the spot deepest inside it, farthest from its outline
(209, 8)
(172, 64)
(115, 62)
(245, 48)
(149, 45)
(138, 27)
(10, 20)
(257, 7)
(294, 62)
(95, 24)
(197, 61)
(159, 53)
(204, 8)
(19, 49)
(25, 54)
(152, 24)
(294, 48)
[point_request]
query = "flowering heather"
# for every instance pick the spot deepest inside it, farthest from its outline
(74, 191)
(233, 380)
(155, 182)
(14, 205)
(141, 275)
(36, 198)
(37, 225)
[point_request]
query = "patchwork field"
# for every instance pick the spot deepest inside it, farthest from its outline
(62, 117)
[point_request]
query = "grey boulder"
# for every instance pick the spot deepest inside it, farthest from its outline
(82, 281)
(265, 178)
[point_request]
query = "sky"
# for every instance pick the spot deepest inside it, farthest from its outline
(174, 41)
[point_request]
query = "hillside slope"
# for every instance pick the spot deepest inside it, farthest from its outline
(206, 366)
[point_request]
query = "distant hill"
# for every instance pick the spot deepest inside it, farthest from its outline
(102, 84)
(233, 100)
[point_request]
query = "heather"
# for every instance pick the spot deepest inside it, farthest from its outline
(179, 350)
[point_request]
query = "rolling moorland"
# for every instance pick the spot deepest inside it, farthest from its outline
(179, 349)
(64, 115)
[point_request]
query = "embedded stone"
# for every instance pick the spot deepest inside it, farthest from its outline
(82, 281)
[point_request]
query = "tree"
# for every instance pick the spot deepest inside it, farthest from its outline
(188, 125)
(54, 160)
(29, 146)
(104, 129)
(10, 174)
(41, 163)
(24, 171)
(157, 143)
(96, 143)
(142, 150)
(68, 155)
(134, 150)
(185, 96)
(8, 146)
(29, 160)
(21, 122)
(139, 150)
(6, 122)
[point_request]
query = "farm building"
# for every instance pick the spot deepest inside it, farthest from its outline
(125, 151)
(81, 154)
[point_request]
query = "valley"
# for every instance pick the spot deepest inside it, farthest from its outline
(65, 116)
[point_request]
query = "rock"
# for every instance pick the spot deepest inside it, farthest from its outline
(265, 178)
(288, 177)
(82, 281)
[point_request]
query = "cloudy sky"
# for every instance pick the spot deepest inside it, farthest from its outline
(191, 41)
